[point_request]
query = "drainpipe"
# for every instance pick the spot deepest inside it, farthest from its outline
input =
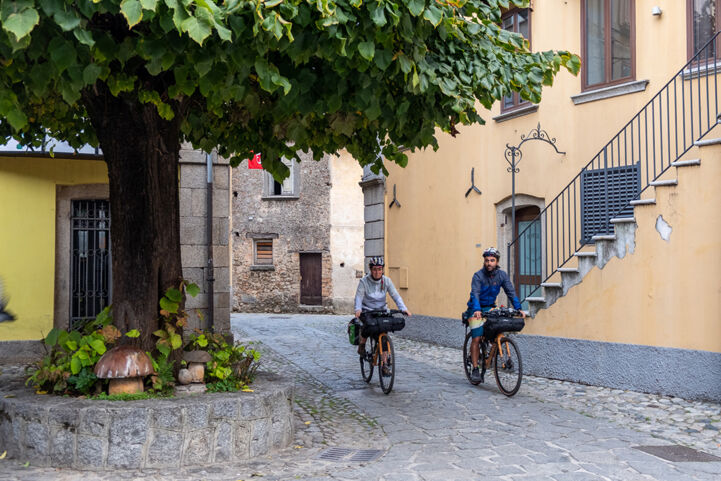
(210, 323)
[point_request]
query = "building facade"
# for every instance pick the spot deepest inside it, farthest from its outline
(55, 246)
(298, 245)
(614, 241)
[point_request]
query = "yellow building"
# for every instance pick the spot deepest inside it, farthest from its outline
(55, 252)
(619, 234)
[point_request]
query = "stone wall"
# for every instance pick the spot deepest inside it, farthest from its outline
(295, 224)
(193, 237)
(197, 430)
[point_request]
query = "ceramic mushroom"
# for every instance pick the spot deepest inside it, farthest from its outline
(125, 366)
(196, 364)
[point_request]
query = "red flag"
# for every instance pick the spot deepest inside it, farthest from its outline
(254, 163)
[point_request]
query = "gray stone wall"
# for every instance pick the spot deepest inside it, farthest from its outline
(198, 430)
(193, 238)
(294, 224)
(374, 189)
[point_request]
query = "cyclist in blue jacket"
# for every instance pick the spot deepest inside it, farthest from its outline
(485, 287)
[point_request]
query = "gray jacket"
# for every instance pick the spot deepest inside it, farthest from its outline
(371, 294)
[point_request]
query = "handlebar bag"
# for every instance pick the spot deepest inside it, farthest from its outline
(496, 325)
(372, 325)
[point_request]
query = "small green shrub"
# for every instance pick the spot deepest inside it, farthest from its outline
(232, 367)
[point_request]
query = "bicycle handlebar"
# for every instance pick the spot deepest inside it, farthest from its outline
(501, 312)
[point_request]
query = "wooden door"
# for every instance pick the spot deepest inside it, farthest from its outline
(528, 253)
(310, 279)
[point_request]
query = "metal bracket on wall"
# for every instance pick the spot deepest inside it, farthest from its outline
(473, 183)
(394, 201)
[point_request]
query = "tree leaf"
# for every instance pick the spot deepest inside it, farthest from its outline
(176, 341)
(99, 346)
(84, 37)
(133, 333)
(367, 50)
(416, 7)
(132, 10)
(174, 294)
(169, 305)
(434, 15)
(21, 23)
(378, 16)
(151, 5)
(52, 338)
(75, 365)
(192, 289)
(91, 73)
(67, 20)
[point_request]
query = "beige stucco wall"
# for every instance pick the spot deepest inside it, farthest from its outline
(667, 293)
(438, 234)
(346, 228)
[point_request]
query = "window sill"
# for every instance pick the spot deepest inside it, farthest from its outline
(262, 268)
(702, 70)
(609, 92)
(517, 112)
(280, 197)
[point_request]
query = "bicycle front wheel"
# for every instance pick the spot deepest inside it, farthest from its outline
(508, 367)
(467, 362)
(386, 363)
(366, 360)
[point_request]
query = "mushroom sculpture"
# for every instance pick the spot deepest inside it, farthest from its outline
(125, 366)
(196, 364)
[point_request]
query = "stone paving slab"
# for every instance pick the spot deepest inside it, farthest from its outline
(436, 426)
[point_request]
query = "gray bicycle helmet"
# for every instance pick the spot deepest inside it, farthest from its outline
(376, 261)
(492, 251)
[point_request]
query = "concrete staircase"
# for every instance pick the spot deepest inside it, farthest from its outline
(606, 247)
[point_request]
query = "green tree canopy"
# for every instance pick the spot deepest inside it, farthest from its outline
(273, 76)
(140, 77)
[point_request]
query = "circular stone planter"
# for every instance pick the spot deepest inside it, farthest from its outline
(194, 430)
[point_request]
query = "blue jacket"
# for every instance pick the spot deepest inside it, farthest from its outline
(485, 287)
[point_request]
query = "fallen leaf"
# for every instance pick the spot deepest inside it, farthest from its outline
(307, 423)
(247, 390)
(41, 392)
(9, 395)
(298, 447)
(2, 456)
(26, 464)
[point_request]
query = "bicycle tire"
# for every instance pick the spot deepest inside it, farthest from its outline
(508, 367)
(387, 380)
(366, 360)
(467, 363)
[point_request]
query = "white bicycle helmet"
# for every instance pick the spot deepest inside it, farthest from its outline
(492, 251)
(376, 261)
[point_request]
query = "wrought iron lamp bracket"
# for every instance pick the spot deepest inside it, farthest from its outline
(395, 200)
(473, 183)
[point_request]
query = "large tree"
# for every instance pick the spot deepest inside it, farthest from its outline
(140, 77)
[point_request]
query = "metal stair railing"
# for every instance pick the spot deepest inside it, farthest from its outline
(681, 113)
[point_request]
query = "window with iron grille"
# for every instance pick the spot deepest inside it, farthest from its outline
(263, 255)
(90, 277)
(623, 184)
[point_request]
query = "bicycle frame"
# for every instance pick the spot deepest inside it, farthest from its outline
(379, 348)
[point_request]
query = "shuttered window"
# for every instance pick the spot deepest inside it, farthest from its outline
(263, 252)
(624, 185)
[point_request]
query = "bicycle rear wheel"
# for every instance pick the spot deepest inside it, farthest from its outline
(508, 367)
(467, 363)
(366, 360)
(388, 365)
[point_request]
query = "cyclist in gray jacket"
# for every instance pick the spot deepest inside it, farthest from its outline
(371, 293)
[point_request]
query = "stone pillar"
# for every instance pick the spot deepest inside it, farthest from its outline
(374, 189)
(194, 242)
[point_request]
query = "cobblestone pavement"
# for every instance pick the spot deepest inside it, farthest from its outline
(436, 426)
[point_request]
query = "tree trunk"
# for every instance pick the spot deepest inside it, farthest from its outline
(141, 151)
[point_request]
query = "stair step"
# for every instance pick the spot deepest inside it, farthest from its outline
(686, 163)
(660, 183)
(567, 269)
(536, 299)
(585, 254)
(604, 238)
(551, 284)
(643, 202)
(623, 220)
(703, 143)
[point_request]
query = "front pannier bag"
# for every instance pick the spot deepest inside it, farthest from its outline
(354, 329)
